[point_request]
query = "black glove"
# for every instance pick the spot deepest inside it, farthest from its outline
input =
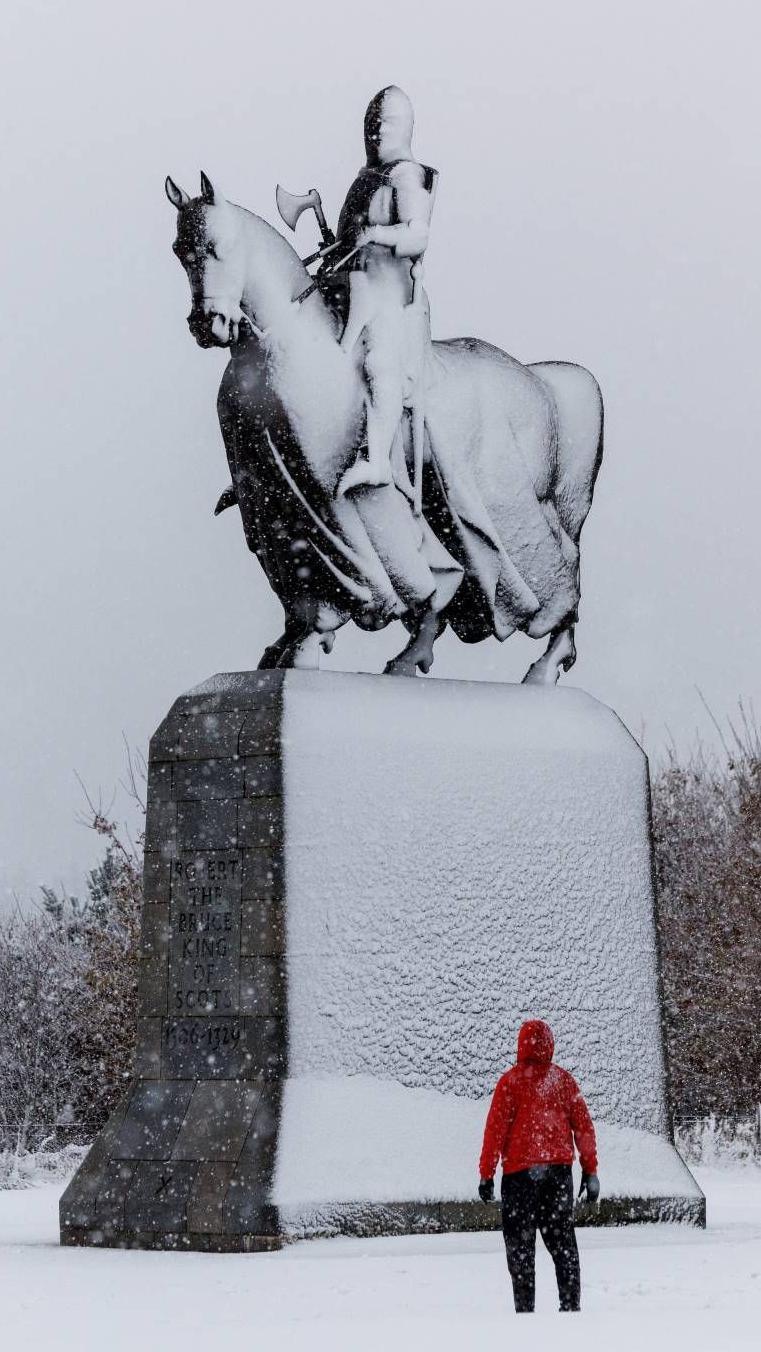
(590, 1184)
(486, 1189)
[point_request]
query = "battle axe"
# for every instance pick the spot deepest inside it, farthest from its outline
(291, 205)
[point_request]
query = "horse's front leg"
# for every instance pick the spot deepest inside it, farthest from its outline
(427, 626)
(559, 656)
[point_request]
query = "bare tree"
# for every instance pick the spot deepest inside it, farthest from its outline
(707, 823)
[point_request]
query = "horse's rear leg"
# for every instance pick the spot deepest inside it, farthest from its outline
(560, 656)
(304, 652)
(270, 658)
(304, 640)
(418, 654)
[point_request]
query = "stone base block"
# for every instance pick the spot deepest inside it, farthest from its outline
(356, 888)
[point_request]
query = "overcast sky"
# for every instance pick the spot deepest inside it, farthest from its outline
(598, 202)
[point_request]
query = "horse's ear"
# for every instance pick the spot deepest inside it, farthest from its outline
(207, 190)
(177, 196)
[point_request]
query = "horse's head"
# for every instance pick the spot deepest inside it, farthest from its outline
(211, 248)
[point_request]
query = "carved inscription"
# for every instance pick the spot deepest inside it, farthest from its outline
(206, 1048)
(163, 1184)
(203, 1034)
(205, 935)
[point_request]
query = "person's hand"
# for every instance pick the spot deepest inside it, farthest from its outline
(590, 1184)
(486, 1189)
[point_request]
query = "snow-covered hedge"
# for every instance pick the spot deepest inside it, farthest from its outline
(31, 1168)
(720, 1141)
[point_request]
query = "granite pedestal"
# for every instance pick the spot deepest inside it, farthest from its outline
(355, 889)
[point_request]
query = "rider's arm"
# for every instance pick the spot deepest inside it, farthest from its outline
(408, 238)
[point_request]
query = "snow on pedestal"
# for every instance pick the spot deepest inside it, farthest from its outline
(460, 857)
(374, 1140)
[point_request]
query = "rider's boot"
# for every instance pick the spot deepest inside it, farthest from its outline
(360, 310)
(375, 470)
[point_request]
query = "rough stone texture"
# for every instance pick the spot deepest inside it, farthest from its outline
(187, 1160)
(354, 876)
(217, 1121)
(369, 1220)
(205, 1213)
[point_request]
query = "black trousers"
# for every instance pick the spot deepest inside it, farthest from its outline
(541, 1198)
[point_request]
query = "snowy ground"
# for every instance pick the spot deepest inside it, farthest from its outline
(645, 1288)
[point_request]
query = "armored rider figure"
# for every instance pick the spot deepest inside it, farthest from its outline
(385, 219)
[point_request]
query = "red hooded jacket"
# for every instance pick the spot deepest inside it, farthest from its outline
(537, 1112)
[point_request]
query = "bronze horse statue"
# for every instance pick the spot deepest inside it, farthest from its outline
(511, 457)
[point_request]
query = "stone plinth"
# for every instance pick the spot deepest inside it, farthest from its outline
(356, 888)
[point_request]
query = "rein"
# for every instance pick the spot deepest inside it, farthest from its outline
(258, 333)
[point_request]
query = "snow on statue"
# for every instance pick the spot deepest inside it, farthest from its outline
(381, 475)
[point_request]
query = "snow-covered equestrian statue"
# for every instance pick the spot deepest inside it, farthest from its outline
(381, 475)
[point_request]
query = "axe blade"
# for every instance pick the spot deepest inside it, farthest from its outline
(292, 204)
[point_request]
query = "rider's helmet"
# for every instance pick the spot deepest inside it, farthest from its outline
(388, 126)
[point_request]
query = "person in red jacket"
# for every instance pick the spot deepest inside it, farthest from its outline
(537, 1114)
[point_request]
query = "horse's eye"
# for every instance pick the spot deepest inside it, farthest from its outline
(211, 250)
(176, 247)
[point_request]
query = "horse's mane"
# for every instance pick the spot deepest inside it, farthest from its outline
(277, 259)
(272, 240)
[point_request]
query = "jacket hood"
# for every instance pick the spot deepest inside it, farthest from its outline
(535, 1042)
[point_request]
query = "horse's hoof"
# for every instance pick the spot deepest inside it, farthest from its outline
(541, 673)
(397, 668)
(306, 654)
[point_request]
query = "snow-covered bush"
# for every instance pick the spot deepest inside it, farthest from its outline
(31, 1168)
(102, 1033)
(68, 989)
(720, 1141)
(707, 824)
(41, 976)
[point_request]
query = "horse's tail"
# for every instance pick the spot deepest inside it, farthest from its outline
(580, 436)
